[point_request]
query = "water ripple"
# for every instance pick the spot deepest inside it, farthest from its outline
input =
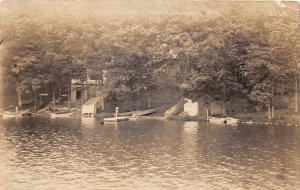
(44, 154)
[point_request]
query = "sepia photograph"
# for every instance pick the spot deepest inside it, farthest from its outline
(149, 95)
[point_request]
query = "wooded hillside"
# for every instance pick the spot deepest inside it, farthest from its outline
(222, 50)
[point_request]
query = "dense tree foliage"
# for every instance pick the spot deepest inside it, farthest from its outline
(221, 50)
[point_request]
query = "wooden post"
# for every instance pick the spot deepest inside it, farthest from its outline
(40, 100)
(53, 99)
(269, 110)
(207, 114)
(139, 97)
(35, 100)
(18, 89)
(296, 94)
(149, 100)
(131, 104)
(81, 92)
(102, 97)
(273, 101)
(117, 109)
(69, 100)
(17, 110)
(272, 108)
(224, 97)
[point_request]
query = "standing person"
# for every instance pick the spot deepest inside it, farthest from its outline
(50, 108)
(17, 110)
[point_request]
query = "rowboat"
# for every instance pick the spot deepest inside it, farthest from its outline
(134, 118)
(223, 120)
(143, 112)
(7, 114)
(61, 114)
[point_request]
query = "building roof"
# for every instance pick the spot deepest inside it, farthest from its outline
(78, 82)
(92, 101)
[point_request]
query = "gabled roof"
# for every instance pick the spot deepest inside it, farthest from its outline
(92, 101)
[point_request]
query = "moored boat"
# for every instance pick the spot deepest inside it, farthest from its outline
(10, 114)
(134, 118)
(223, 120)
(143, 112)
(7, 114)
(61, 114)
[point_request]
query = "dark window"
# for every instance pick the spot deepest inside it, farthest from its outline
(78, 93)
(94, 76)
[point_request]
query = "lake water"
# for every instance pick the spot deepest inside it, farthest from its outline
(75, 153)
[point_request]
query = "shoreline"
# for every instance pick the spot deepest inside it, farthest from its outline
(292, 119)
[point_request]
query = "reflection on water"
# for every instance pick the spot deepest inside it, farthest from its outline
(82, 153)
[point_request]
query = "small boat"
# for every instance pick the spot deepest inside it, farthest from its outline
(143, 112)
(10, 114)
(28, 113)
(61, 114)
(223, 120)
(134, 118)
(7, 114)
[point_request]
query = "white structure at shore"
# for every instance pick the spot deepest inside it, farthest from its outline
(91, 107)
(190, 107)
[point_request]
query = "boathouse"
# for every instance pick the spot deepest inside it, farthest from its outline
(195, 108)
(83, 90)
(88, 94)
(92, 107)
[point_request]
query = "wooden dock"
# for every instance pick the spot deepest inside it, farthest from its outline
(116, 119)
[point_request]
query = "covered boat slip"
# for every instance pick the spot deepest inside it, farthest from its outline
(91, 107)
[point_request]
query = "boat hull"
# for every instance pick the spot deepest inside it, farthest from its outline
(225, 120)
(143, 112)
(54, 115)
(5, 116)
(8, 114)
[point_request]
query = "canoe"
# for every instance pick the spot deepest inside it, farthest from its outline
(28, 114)
(134, 118)
(144, 112)
(64, 114)
(223, 120)
(7, 114)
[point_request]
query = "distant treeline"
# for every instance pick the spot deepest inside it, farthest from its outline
(238, 51)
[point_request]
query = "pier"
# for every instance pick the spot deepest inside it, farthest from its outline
(116, 119)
